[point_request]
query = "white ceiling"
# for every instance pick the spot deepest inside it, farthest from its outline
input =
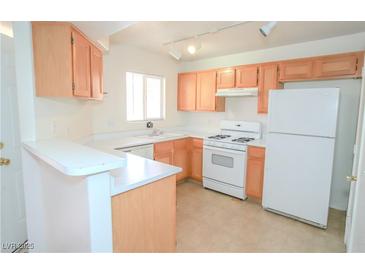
(152, 35)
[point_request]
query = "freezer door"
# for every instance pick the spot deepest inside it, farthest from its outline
(298, 174)
(304, 111)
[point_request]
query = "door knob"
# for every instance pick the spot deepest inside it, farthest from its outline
(351, 179)
(4, 162)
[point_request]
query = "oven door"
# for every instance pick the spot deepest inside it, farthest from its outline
(224, 165)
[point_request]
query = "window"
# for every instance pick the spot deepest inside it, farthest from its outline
(145, 97)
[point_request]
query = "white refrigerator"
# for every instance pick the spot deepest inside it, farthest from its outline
(299, 153)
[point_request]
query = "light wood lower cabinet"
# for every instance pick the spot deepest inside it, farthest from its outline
(144, 219)
(182, 157)
(255, 171)
(186, 153)
(197, 159)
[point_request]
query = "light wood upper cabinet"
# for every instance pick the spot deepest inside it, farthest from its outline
(81, 65)
(226, 78)
(187, 91)
(255, 171)
(296, 70)
(331, 66)
(247, 76)
(206, 89)
(52, 55)
(96, 58)
(66, 62)
(268, 80)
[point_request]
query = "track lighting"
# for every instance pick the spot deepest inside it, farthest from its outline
(174, 52)
(194, 47)
(267, 28)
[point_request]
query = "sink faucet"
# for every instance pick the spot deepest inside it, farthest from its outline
(149, 124)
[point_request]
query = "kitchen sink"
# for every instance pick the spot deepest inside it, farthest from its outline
(164, 135)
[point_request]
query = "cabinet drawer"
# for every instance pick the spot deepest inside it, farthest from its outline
(197, 143)
(256, 152)
(163, 147)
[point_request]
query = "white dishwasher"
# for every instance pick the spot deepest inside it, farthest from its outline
(145, 150)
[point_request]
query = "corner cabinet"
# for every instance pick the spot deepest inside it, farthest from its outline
(196, 92)
(66, 62)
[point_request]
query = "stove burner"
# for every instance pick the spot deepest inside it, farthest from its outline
(219, 137)
(243, 140)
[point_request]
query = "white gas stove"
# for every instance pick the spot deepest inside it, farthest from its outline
(224, 157)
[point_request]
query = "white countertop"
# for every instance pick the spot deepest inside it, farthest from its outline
(129, 141)
(257, 143)
(139, 171)
(73, 159)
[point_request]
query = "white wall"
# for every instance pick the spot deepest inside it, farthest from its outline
(110, 115)
(246, 108)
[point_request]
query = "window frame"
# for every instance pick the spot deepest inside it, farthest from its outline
(162, 99)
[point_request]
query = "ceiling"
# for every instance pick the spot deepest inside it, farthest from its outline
(151, 36)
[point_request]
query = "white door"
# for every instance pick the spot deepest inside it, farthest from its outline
(298, 175)
(13, 225)
(356, 170)
(304, 111)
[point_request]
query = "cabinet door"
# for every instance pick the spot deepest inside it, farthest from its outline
(164, 152)
(332, 66)
(255, 172)
(226, 78)
(296, 70)
(206, 89)
(81, 65)
(247, 76)
(197, 164)
(52, 55)
(268, 80)
(182, 158)
(165, 157)
(186, 92)
(197, 159)
(96, 58)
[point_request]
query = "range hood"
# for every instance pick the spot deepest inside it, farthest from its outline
(235, 92)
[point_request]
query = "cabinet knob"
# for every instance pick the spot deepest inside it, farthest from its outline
(4, 162)
(351, 179)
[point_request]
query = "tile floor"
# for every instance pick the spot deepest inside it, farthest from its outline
(208, 221)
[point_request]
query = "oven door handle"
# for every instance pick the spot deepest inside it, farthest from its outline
(226, 150)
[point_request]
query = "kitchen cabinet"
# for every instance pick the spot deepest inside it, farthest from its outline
(333, 66)
(196, 92)
(206, 89)
(182, 157)
(81, 65)
(164, 152)
(255, 171)
(187, 91)
(144, 219)
(268, 79)
(226, 78)
(296, 70)
(197, 159)
(96, 59)
(186, 153)
(66, 62)
(247, 76)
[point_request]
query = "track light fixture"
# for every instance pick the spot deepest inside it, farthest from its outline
(267, 28)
